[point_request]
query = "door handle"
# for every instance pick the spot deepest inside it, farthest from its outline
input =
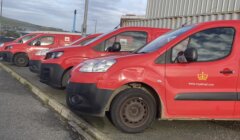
(226, 71)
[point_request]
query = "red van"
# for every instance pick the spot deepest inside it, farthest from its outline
(189, 73)
(18, 53)
(36, 58)
(56, 67)
(19, 40)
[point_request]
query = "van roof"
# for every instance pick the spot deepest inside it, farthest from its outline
(143, 28)
(216, 22)
(55, 32)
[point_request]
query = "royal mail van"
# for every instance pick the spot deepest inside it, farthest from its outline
(56, 66)
(189, 73)
(19, 40)
(36, 58)
(18, 52)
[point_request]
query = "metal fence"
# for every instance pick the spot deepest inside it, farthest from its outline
(174, 13)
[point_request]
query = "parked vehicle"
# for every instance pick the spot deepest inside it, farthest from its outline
(22, 39)
(19, 53)
(189, 73)
(55, 68)
(36, 58)
(4, 39)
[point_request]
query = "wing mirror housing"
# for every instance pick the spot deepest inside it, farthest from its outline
(188, 56)
(38, 43)
(116, 47)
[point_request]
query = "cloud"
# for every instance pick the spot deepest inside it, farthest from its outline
(59, 13)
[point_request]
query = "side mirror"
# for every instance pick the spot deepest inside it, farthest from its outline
(38, 43)
(181, 58)
(116, 47)
(189, 55)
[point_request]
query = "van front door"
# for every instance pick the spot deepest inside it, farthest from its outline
(206, 86)
(41, 43)
(129, 41)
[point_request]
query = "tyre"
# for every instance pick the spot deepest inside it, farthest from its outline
(21, 60)
(133, 110)
(65, 78)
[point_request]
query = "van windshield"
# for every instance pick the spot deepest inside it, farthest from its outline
(75, 42)
(99, 37)
(82, 41)
(164, 39)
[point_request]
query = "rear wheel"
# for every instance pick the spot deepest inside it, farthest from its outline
(65, 78)
(133, 110)
(21, 60)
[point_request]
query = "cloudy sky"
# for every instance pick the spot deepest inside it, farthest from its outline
(59, 13)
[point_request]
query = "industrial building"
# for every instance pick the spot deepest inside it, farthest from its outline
(175, 13)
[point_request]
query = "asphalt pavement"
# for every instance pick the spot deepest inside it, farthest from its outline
(23, 117)
(164, 129)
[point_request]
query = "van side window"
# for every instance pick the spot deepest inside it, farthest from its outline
(129, 41)
(211, 44)
(43, 41)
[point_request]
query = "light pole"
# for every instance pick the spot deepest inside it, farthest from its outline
(1, 7)
(84, 26)
(74, 21)
(96, 22)
(1, 18)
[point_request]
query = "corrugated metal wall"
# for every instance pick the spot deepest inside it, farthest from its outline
(174, 13)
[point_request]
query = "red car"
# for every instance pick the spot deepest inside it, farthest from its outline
(18, 53)
(58, 63)
(189, 73)
(36, 58)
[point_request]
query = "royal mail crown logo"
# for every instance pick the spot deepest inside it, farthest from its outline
(202, 76)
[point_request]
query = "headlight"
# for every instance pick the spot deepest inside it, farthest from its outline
(96, 65)
(1, 45)
(42, 52)
(52, 55)
(8, 47)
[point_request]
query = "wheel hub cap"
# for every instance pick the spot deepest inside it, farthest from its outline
(134, 112)
(21, 60)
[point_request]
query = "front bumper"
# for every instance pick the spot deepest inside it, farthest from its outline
(1, 55)
(91, 100)
(7, 56)
(51, 74)
(35, 66)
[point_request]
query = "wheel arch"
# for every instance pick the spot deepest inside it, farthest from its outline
(14, 55)
(69, 68)
(143, 86)
(14, 60)
(65, 71)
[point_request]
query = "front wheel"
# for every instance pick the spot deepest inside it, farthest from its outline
(133, 110)
(21, 60)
